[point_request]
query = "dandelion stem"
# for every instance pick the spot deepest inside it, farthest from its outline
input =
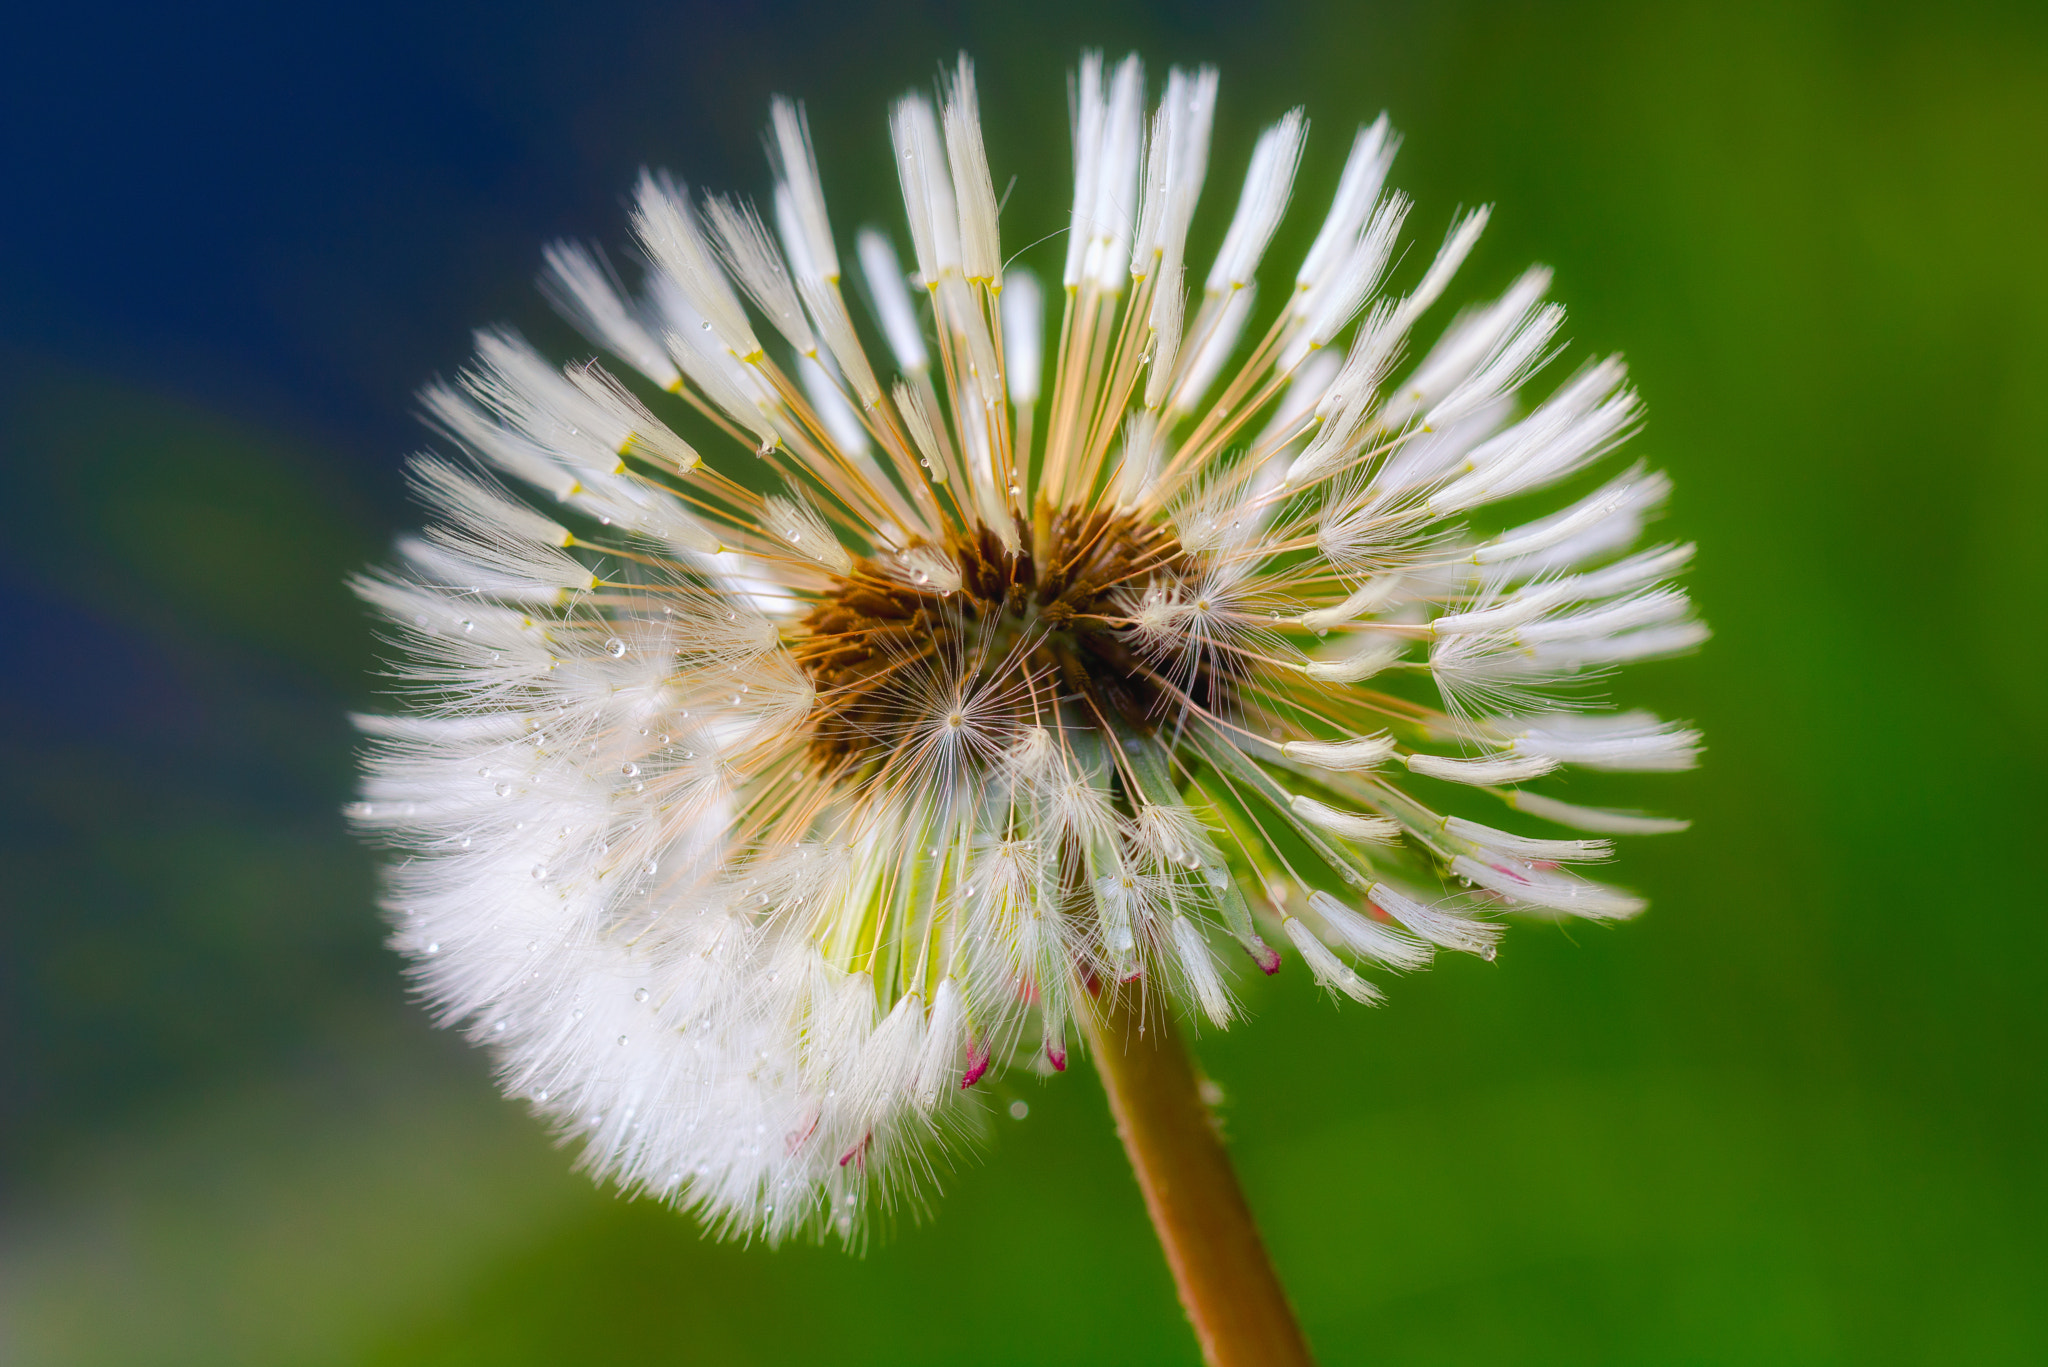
(1226, 1282)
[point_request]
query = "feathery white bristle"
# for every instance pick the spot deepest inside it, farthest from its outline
(583, 290)
(1199, 965)
(1445, 929)
(1598, 819)
(927, 188)
(1114, 205)
(669, 233)
(1329, 970)
(796, 167)
(891, 296)
(1382, 944)
(1023, 335)
(751, 258)
(1365, 172)
(1350, 825)
(1212, 348)
(1490, 841)
(1090, 109)
(981, 257)
(1487, 770)
(1521, 881)
(1268, 183)
(1362, 753)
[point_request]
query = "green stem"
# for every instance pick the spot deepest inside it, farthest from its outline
(1227, 1285)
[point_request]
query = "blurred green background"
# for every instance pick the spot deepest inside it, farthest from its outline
(1793, 1115)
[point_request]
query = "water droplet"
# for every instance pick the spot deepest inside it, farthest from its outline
(502, 789)
(541, 1095)
(540, 871)
(433, 946)
(706, 325)
(629, 769)
(483, 773)
(468, 625)
(649, 867)
(497, 1027)
(615, 648)
(622, 1040)
(640, 994)
(1019, 1109)
(577, 1014)
(533, 946)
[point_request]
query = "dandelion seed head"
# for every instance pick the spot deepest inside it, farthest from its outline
(753, 793)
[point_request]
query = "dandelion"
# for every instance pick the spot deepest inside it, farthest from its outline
(753, 806)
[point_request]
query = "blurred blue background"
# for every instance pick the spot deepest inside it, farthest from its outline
(1794, 1115)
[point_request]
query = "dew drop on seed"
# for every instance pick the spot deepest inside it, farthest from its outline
(622, 1041)
(503, 789)
(433, 946)
(615, 648)
(629, 769)
(640, 994)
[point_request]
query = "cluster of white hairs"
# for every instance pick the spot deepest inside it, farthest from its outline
(751, 812)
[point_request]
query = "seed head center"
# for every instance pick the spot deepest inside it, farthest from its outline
(1027, 624)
